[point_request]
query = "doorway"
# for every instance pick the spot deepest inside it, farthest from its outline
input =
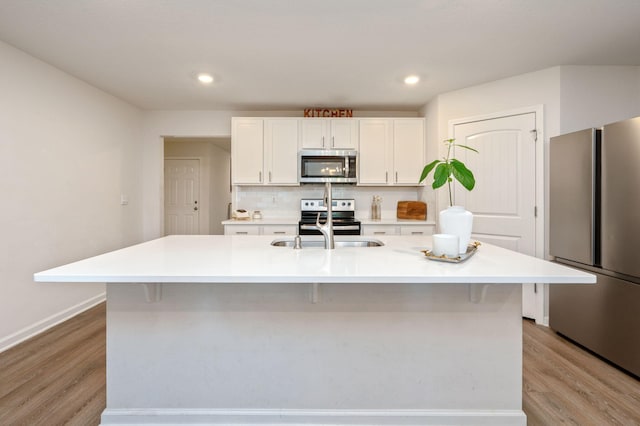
(203, 205)
(505, 202)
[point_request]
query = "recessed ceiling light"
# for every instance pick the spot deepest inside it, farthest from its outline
(205, 78)
(412, 79)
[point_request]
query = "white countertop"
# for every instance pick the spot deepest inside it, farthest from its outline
(251, 259)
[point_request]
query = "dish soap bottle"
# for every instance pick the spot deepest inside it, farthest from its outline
(375, 207)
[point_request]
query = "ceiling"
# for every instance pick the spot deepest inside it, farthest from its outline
(291, 54)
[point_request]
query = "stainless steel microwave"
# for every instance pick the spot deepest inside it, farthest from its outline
(324, 165)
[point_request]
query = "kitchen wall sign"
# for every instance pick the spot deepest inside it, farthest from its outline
(328, 112)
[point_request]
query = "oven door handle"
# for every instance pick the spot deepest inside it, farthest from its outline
(309, 227)
(347, 227)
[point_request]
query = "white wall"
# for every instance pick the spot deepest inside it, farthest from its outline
(592, 96)
(220, 189)
(67, 153)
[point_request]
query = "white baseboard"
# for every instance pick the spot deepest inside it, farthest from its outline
(45, 324)
(167, 417)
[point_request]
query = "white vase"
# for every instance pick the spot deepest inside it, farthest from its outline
(457, 221)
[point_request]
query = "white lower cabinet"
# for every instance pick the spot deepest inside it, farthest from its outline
(279, 230)
(417, 229)
(398, 229)
(380, 230)
(260, 229)
(241, 230)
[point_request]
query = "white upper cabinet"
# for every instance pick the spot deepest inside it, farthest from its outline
(313, 134)
(375, 152)
(281, 151)
(344, 133)
(408, 150)
(391, 151)
(319, 133)
(264, 151)
(247, 137)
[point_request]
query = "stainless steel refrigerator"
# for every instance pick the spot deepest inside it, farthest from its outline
(594, 224)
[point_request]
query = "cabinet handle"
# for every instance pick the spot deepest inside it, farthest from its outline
(279, 232)
(379, 232)
(323, 141)
(269, 176)
(396, 177)
(386, 177)
(333, 141)
(260, 177)
(417, 232)
(242, 232)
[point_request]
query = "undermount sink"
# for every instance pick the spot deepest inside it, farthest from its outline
(320, 243)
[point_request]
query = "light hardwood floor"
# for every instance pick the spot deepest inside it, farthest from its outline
(564, 384)
(58, 378)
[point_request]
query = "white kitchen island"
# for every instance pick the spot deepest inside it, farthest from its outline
(231, 330)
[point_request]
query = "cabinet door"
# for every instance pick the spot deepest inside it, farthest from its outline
(408, 150)
(375, 151)
(344, 133)
(313, 133)
(281, 151)
(247, 151)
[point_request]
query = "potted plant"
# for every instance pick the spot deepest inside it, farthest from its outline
(455, 219)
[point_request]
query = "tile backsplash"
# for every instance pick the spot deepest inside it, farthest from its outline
(284, 201)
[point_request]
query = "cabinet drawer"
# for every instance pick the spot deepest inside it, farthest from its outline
(417, 230)
(242, 230)
(379, 230)
(279, 230)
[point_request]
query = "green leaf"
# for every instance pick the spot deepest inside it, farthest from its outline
(440, 176)
(427, 169)
(462, 174)
(467, 147)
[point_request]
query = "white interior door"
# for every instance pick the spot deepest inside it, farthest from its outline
(181, 195)
(503, 201)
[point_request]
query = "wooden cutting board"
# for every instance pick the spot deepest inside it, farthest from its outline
(415, 210)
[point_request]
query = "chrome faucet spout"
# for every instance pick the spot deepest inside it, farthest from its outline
(326, 228)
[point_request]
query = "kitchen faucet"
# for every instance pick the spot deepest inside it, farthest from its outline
(327, 227)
